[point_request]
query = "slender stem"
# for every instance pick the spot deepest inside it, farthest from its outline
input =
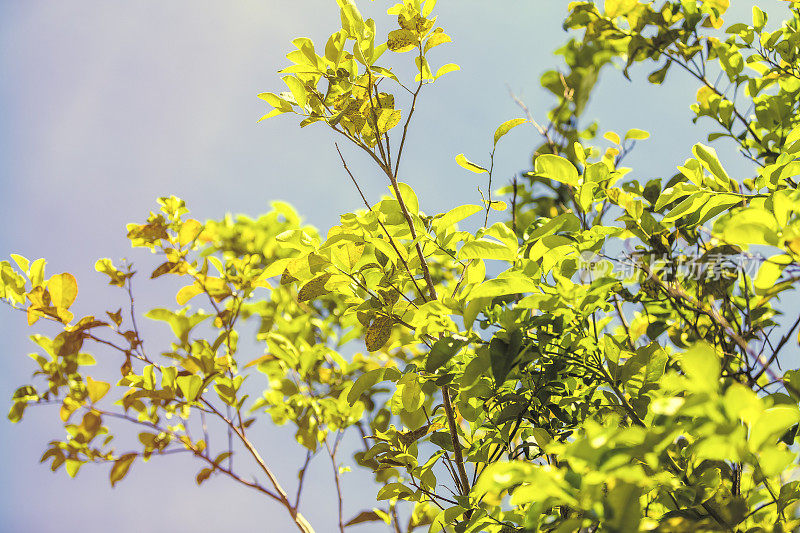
(332, 455)
(140, 345)
(302, 477)
(299, 519)
(778, 348)
(408, 119)
(459, 458)
(624, 321)
(193, 449)
(489, 189)
(386, 231)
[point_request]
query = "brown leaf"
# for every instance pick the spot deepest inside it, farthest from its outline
(121, 467)
(164, 268)
(402, 40)
(364, 516)
(115, 316)
(314, 288)
(410, 436)
(378, 333)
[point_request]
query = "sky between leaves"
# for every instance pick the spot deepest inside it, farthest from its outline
(108, 105)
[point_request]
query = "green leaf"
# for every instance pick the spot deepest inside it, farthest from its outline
(455, 215)
(611, 137)
(502, 357)
(556, 168)
(469, 165)
(708, 158)
(393, 490)
(487, 249)
(752, 225)
(772, 424)
(364, 516)
(657, 76)
(442, 351)
(514, 283)
(368, 379)
(21, 262)
(190, 386)
(475, 306)
(626, 511)
(297, 89)
(409, 197)
(507, 126)
(770, 271)
(36, 272)
(105, 266)
(702, 366)
(388, 119)
(759, 18)
(617, 8)
(637, 135)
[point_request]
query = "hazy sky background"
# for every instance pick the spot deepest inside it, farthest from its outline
(107, 105)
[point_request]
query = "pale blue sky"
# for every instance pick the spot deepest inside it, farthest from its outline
(107, 105)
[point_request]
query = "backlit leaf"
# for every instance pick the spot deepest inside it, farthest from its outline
(556, 168)
(96, 389)
(63, 289)
(462, 160)
(187, 293)
(507, 126)
(378, 333)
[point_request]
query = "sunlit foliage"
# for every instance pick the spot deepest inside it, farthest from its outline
(503, 379)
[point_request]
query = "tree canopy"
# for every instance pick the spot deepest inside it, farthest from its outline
(606, 357)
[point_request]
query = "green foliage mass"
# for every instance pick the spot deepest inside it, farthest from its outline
(499, 383)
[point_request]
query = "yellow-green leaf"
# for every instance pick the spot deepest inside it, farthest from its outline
(21, 262)
(187, 293)
(507, 126)
(517, 284)
(637, 135)
(297, 89)
(446, 69)
(556, 168)
(611, 137)
(190, 230)
(456, 215)
(96, 389)
(190, 386)
(487, 249)
(462, 160)
(63, 289)
(388, 119)
(435, 40)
